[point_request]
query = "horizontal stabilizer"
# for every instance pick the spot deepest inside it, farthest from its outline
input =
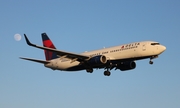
(35, 60)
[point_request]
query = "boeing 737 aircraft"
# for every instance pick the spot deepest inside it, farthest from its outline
(121, 57)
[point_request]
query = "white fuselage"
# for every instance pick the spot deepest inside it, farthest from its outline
(135, 51)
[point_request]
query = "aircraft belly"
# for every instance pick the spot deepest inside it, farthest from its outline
(58, 65)
(66, 65)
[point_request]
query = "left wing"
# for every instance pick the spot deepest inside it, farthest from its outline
(72, 56)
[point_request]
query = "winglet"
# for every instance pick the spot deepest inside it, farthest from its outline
(28, 42)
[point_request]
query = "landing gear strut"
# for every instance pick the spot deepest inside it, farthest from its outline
(153, 57)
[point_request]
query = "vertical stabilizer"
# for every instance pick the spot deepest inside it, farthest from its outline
(48, 43)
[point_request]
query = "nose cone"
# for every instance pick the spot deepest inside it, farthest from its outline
(162, 48)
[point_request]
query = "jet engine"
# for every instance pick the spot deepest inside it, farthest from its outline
(97, 60)
(128, 65)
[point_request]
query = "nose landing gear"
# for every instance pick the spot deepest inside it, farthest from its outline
(153, 57)
(151, 62)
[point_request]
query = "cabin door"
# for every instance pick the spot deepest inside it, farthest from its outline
(144, 47)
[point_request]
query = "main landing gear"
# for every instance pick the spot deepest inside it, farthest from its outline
(107, 72)
(90, 70)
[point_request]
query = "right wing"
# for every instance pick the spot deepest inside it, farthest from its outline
(72, 56)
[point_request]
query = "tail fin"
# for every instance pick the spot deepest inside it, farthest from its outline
(48, 43)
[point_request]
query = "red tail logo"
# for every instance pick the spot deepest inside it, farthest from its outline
(48, 43)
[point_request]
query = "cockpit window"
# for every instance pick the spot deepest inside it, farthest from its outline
(155, 43)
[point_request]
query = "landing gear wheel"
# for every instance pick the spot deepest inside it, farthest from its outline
(150, 62)
(89, 70)
(107, 73)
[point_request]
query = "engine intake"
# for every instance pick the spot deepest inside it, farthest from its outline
(97, 60)
(126, 65)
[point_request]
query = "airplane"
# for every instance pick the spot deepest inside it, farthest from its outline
(122, 57)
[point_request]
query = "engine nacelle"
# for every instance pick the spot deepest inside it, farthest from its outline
(97, 60)
(128, 65)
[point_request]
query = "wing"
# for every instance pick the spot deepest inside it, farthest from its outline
(72, 56)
